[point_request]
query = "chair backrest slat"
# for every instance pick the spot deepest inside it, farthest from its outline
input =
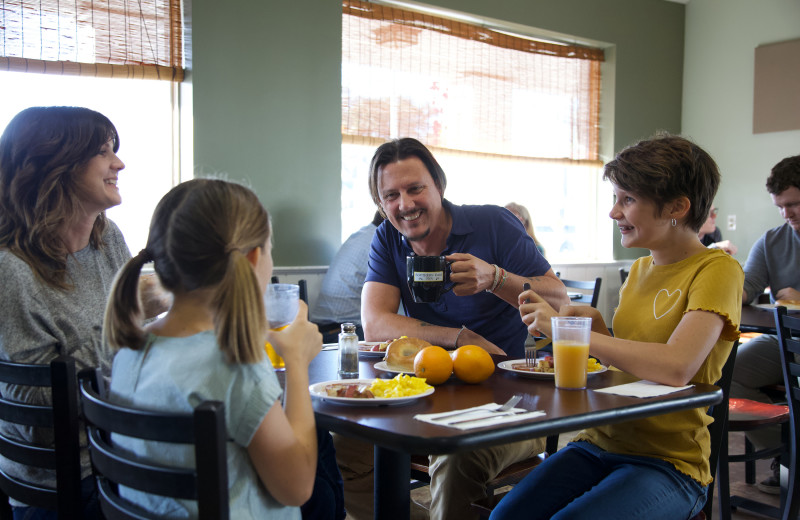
(62, 417)
(204, 428)
(788, 334)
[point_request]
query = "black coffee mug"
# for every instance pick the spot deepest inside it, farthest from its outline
(427, 277)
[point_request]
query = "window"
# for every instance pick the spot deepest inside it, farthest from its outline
(509, 118)
(96, 55)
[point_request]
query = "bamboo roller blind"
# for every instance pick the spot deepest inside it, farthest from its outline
(112, 38)
(463, 87)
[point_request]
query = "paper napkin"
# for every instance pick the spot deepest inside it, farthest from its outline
(643, 388)
(477, 417)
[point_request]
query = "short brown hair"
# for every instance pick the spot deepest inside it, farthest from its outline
(784, 175)
(666, 167)
(199, 235)
(397, 150)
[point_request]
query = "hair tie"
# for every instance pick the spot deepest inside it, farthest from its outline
(231, 249)
(144, 254)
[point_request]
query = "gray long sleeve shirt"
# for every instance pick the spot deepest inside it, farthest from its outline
(774, 261)
(38, 323)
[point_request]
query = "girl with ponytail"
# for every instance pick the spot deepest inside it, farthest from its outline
(210, 245)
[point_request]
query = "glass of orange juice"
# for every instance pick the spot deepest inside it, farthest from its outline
(281, 301)
(570, 350)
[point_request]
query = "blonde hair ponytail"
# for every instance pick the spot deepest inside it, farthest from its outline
(240, 320)
(123, 320)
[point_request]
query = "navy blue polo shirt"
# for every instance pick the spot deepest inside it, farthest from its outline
(488, 232)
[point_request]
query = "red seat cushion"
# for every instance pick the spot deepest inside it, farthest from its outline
(746, 414)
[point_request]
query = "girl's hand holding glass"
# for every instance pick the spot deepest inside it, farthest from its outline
(298, 343)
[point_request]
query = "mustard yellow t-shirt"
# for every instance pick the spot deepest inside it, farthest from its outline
(652, 303)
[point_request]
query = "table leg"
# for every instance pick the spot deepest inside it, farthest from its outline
(392, 484)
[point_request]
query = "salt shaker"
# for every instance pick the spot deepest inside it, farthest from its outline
(348, 352)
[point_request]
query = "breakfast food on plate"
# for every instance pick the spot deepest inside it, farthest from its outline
(401, 385)
(378, 347)
(545, 365)
(789, 304)
(400, 353)
(352, 390)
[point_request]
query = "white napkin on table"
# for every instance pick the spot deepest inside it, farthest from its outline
(483, 415)
(643, 388)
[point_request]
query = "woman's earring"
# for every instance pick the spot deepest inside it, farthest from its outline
(674, 222)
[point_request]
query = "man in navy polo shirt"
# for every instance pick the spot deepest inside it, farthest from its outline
(491, 255)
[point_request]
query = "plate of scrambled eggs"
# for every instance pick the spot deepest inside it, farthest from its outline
(402, 389)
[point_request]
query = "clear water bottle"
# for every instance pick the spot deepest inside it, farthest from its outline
(348, 352)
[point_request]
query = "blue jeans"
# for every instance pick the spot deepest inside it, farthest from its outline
(582, 481)
(91, 506)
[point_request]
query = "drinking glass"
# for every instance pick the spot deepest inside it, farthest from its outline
(281, 302)
(570, 350)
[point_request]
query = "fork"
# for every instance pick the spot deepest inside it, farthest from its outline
(530, 351)
(508, 405)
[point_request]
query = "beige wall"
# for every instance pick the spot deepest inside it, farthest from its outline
(721, 37)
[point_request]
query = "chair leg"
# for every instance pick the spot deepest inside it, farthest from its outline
(723, 479)
(750, 465)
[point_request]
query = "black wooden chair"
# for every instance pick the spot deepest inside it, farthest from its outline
(593, 286)
(207, 483)
(623, 274)
(789, 340)
(62, 418)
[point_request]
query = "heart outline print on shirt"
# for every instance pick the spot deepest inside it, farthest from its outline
(663, 302)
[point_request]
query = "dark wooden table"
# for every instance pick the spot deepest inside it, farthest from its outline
(396, 435)
(757, 319)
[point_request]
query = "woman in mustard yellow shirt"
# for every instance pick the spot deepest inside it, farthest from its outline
(677, 319)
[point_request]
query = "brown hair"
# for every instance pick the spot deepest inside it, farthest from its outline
(397, 150)
(665, 168)
(199, 235)
(784, 175)
(43, 151)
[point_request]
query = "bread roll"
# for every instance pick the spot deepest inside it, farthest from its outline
(400, 353)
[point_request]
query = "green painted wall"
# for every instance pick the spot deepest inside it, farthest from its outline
(266, 90)
(721, 38)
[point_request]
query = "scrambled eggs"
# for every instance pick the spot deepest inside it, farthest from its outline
(401, 386)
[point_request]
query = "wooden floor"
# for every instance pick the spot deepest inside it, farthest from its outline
(738, 486)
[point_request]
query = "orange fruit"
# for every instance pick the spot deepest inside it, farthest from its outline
(434, 364)
(472, 364)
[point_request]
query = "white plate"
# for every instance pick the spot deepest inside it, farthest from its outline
(363, 349)
(318, 390)
(507, 366)
(770, 306)
(381, 365)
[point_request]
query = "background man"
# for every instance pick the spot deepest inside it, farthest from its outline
(773, 262)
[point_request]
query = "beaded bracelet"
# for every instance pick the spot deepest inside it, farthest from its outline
(496, 278)
(503, 281)
(455, 343)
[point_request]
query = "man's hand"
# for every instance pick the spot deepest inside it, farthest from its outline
(788, 293)
(727, 246)
(470, 274)
(469, 337)
(536, 313)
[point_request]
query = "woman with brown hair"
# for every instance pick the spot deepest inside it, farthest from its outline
(58, 251)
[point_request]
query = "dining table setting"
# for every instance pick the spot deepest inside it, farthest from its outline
(512, 404)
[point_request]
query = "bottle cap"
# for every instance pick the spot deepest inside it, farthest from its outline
(349, 327)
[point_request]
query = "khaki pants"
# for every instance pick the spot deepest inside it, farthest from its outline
(457, 480)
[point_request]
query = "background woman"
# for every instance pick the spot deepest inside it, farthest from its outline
(521, 212)
(58, 252)
(210, 243)
(677, 319)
